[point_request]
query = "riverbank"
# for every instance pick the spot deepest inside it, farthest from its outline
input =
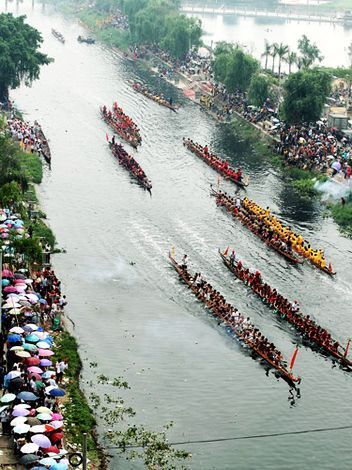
(19, 192)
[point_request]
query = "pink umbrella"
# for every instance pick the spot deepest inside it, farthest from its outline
(57, 417)
(45, 353)
(35, 370)
(41, 440)
(7, 273)
(10, 289)
(45, 363)
(57, 424)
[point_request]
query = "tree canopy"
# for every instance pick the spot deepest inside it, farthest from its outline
(233, 67)
(259, 89)
(305, 95)
(20, 58)
(309, 51)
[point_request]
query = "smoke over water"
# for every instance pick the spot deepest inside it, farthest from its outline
(334, 190)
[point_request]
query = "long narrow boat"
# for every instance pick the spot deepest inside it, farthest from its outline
(271, 244)
(279, 366)
(126, 122)
(221, 166)
(149, 94)
(285, 233)
(131, 165)
(58, 35)
(314, 344)
(115, 126)
(45, 149)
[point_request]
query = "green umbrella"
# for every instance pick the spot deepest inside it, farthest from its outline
(30, 347)
(39, 384)
(7, 398)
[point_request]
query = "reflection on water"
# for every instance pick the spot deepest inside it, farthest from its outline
(180, 364)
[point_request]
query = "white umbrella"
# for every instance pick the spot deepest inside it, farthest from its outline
(29, 448)
(18, 420)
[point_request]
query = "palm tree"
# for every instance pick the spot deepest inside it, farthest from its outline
(267, 53)
(274, 54)
(282, 51)
(291, 59)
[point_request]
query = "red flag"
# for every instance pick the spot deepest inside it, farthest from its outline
(347, 348)
(293, 358)
(107, 136)
(226, 252)
(330, 267)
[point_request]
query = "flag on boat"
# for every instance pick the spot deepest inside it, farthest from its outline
(347, 348)
(226, 252)
(107, 136)
(173, 252)
(293, 358)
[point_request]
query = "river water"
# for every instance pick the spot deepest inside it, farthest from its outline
(139, 321)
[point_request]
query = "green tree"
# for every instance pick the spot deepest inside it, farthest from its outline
(181, 34)
(266, 53)
(239, 71)
(290, 59)
(310, 53)
(259, 89)
(282, 51)
(10, 168)
(274, 55)
(20, 58)
(305, 95)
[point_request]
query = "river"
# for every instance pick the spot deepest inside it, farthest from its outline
(139, 321)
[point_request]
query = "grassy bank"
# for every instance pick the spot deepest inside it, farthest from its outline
(342, 215)
(78, 415)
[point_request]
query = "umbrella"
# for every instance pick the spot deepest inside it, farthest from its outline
(39, 428)
(16, 348)
(4, 407)
(32, 361)
(57, 417)
(49, 427)
(46, 363)
(56, 437)
(18, 420)
(22, 405)
(30, 347)
(31, 326)
(28, 459)
(45, 353)
(23, 354)
(27, 396)
(29, 448)
(5, 282)
(57, 392)
(47, 374)
(43, 301)
(21, 428)
(43, 345)
(32, 338)
(19, 276)
(41, 440)
(43, 409)
(336, 166)
(7, 273)
(15, 311)
(59, 466)
(44, 417)
(33, 421)
(17, 329)
(20, 412)
(7, 398)
(13, 373)
(51, 450)
(57, 424)
(39, 384)
(35, 369)
(13, 305)
(48, 461)
(14, 338)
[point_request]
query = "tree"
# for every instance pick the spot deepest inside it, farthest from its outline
(309, 53)
(282, 51)
(305, 95)
(259, 89)
(10, 168)
(181, 34)
(240, 69)
(290, 59)
(274, 54)
(20, 58)
(266, 53)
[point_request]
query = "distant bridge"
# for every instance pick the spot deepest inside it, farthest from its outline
(253, 12)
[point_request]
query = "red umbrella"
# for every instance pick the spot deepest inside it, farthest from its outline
(32, 361)
(56, 437)
(10, 289)
(50, 449)
(7, 273)
(49, 428)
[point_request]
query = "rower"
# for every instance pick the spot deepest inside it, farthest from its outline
(113, 140)
(206, 150)
(233, 258)
(170, 101)
(184, 263)
(295, 306)
(239, 174)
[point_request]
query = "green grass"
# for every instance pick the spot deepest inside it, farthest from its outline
(41, 230)
(342, 215)
(31, 166)
(78, 414)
